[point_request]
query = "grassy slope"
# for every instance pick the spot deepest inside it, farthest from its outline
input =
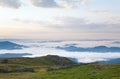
(13, 63)
(89, 71)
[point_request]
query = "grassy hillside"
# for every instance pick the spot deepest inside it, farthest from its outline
(45, 61)
(88, 71)
(54, 67)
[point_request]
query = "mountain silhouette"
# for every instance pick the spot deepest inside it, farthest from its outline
(10, 46)
(112, 61)
(73, 48)
(13, 55)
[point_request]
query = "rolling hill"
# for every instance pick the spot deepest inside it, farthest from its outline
(55, 67)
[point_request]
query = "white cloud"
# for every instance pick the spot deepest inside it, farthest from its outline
(70, 4)
(10, 3)
(76, 25)
(45, 3)
(84, 2)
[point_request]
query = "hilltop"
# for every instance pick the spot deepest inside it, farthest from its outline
(45, 61)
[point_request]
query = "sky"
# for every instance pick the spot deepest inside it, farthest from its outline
(60, 19)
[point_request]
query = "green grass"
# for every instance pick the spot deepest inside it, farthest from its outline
(42, 64)
(88, 71)
(49, 60)
(36, 63)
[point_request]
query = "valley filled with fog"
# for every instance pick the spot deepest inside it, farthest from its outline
(68, 48)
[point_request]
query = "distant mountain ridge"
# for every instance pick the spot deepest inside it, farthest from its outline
(10, 45)
(72, 48)
(13, 55)
(112, 61)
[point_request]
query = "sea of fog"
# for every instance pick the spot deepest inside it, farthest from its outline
(48, 47)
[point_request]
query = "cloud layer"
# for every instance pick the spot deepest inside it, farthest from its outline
(70, 4)
(10, 3)
(45, 3)
(84, 2)
(39, 48)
